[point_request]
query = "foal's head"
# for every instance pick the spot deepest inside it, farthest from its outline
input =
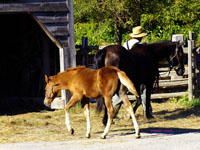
(176, 59)
(51, 91)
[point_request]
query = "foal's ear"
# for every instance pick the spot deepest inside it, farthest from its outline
(46, 79)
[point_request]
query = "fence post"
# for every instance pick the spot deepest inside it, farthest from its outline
(62, 69)
(190, 85)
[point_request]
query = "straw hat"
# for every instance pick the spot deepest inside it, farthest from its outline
(137, 32)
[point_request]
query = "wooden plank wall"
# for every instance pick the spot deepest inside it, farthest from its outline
(53, 14)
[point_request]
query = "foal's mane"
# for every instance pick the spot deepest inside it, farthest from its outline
(72, 69)
(68, 70)
(76, 68)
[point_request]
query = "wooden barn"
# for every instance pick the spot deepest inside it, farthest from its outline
(36, 38)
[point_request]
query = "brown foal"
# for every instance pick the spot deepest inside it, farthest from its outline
(85, 83)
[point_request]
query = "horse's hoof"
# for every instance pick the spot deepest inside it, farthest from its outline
(103, 137)
(72, 131)
(88, 135)
(148, 117)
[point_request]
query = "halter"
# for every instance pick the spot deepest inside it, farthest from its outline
(51, 92)
(171, 59)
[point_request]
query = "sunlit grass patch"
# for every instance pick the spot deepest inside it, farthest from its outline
(185, 101)
(50, 125)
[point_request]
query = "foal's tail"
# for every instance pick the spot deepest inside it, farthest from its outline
(127, 82)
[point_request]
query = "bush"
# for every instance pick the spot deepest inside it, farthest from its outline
(184, 101)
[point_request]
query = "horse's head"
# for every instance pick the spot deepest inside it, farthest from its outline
(50, 93)
(176, 59)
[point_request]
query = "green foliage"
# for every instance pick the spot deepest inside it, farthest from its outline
(97, 33)
(109, 21)
(185, 102)
(178, 17)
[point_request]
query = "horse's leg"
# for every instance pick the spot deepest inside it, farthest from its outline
(129, 108)
(85, 104)
(73, 100)
(143, 91)
(110, 111)
(148, 113)
(138, 103)
(117, 103)
(142, 99)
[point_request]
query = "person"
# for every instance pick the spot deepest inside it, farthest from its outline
(136, 37)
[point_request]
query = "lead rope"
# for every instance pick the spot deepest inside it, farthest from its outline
(175, 55)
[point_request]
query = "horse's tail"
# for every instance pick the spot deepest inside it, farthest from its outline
(127, 82)
(100, 104)
(99, 58)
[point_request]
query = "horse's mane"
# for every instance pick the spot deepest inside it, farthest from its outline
(160, 43)
(156, 44)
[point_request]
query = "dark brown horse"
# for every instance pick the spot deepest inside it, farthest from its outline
(86, 83)
(141, 65)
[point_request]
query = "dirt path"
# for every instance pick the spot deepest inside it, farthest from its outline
(150, 141)
(173, 128)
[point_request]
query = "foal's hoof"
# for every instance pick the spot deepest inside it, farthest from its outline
(137, 136)
(88, 135)
(72, 131)
(103, 137)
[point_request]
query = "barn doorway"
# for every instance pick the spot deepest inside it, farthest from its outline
(27, 54)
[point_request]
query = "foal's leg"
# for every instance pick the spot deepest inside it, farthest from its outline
(129, 108)
(117, 103)
(73, 100)
(110, 112)
(85, 104)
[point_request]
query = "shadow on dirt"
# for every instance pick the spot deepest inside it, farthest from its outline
(152, 132)
(169, 130)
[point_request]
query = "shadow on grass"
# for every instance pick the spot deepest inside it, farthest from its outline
(15, 106)
(179, 113)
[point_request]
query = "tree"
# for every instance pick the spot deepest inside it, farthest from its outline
(111, 20)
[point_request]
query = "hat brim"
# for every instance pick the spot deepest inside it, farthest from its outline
(143, 34)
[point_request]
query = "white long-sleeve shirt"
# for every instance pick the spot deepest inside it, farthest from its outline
(129, 44)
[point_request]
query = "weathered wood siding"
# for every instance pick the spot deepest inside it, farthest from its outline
(53, 14)
(24, 38)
